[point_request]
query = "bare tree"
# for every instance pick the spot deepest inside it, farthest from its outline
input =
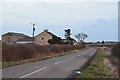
(81, 37)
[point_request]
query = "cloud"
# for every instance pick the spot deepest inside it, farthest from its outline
(60, 13)
(0, 19)
(60, 0)
(56, 16)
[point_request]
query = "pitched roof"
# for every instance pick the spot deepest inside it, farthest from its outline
(25, 37)
(51, 33)
(47, 32)
(13, 33)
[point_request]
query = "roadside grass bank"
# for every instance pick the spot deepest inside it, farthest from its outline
(48, 51)
(112, 60)
(96, 68)
(0, 54)
(0, 65)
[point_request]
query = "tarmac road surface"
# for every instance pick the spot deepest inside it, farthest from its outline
(58, 67)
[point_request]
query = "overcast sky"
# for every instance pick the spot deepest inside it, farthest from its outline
(97, 18)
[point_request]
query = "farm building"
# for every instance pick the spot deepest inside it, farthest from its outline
(43, 37)
(19, 38)
(11, 38)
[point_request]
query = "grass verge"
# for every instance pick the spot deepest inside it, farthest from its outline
(13, 63)
(0, 65)
(96, 69)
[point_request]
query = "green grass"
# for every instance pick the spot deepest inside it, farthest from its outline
(8, 64)
(96, 69)
(0, 65)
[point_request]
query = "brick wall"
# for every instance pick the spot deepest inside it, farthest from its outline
(43, 38)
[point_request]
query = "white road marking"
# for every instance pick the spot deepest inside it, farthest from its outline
(79, 54)
(82, 53)
(33, 72)
(71, 58)
(59, 62)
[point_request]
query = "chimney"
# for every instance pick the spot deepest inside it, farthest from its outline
(45, 30)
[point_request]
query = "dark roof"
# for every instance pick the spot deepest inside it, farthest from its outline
(26, 39)
(13, 33)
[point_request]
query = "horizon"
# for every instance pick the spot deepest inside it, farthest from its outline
(64, 38)
(98, 20)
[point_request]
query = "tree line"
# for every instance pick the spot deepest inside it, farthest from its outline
(68, 39)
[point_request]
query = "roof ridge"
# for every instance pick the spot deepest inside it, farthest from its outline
(15, 33)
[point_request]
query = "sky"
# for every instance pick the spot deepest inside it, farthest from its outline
(96, 18)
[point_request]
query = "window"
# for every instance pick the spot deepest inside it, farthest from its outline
(42, 38)
(8, 39)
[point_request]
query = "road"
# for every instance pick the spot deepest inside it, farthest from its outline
(58, 67)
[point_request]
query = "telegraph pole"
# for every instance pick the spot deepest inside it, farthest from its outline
(33, 28)
(33, 25)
